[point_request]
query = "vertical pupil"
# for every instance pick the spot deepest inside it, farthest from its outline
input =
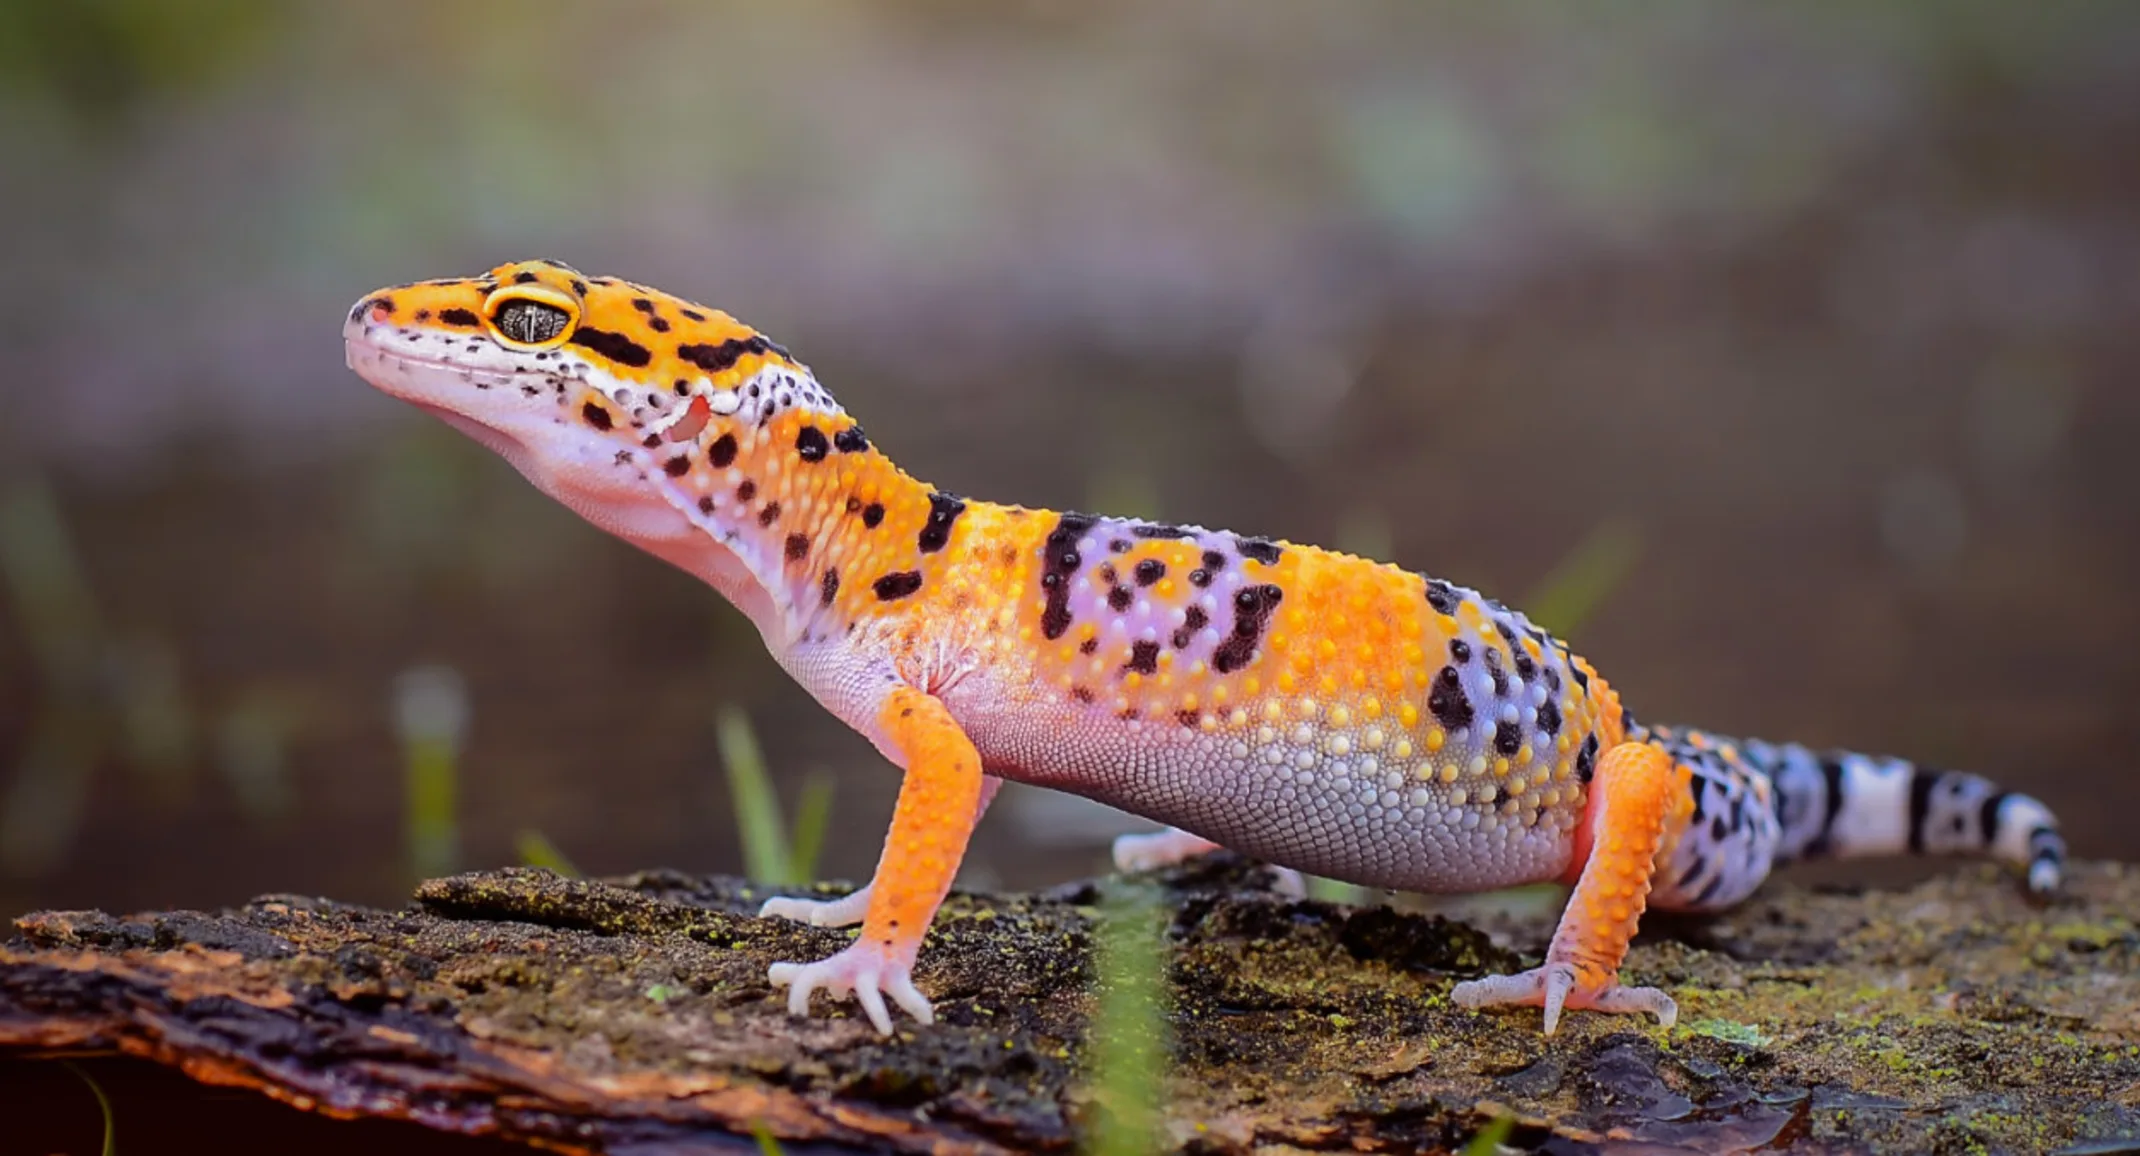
(530, 322)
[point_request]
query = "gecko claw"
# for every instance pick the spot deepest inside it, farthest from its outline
(865, 970)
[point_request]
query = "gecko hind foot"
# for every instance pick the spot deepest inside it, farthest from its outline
(1554, 987)
(846, 911)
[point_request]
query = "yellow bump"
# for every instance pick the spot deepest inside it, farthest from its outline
(1448, 772)
(1459, 797)
(1132, 680)
(1478, 764)
(1566, 742)
(1340, 717)
(1407, 715)
(1436, 736)
(1285, 682)
(1372, 740)
(1340, 745)
(1189, 701)
(1523, 756)
(1425, 772)
(1306, 708)
(1327, 648)
(1518, 785)
(1371, 709)
(1239, 718)
(1393, 681)
(1252, 686)
(1487, 793)
(1501, 768)
(1403, 749)
(1272, 710)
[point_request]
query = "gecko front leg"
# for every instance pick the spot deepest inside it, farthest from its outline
(939, 802)
(848, 909)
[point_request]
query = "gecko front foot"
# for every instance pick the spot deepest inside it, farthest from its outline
(1555, 987)
(845, 911)
(868, 969)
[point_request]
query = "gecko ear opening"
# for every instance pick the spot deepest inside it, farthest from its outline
(530, 317)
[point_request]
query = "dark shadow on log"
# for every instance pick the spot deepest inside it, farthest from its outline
(632, 1015)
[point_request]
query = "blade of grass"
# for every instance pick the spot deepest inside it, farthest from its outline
(103, 1105)
(536, 850)
(813, 817)
(431, 717)
(1573, 591)
(1129, 1028)
(766, 856)
(1488, 1140)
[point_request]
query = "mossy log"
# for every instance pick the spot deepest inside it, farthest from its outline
(633, 1014)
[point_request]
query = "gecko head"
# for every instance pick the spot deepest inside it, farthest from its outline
(621, 401)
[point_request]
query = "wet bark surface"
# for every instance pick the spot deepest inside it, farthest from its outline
(633, 1015)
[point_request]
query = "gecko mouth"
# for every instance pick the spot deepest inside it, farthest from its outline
(423, 381)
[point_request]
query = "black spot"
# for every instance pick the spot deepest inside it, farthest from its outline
(1921, 783)
(1508, 633)
(1549, 718)
(1118, 599)
(1441, 596)
(895, 586)
(579, 287)
(651, 441)
(1493, 669)
(643, 305)
(1459, 650)
(944, 509)
(797, 546)
(460, 317)
(1118, 546)
(1127, 714)
(523, 277)
(1188, 718)
(705, 504)
(1526, 667)
(1447, 702)
(850, 440)
(770, 514)
(715, 358)
(693, 314)
(722, 453)
(1258, 550)
(1081, 694)
(1143, 658)
(810, 444)
(1089, 645)
(873, 514)
(1150, 570)
(677, 466)
(746, 490)
(1193, 620)
(1160, 530)
(1508, 738)
(1200, 577)
(1252, 606)
(1107, 573)
(1213, 560)
(1059, 560)
(1586, 760)
(657, 324)
(596, 416)
(614, 346)
(828, 587)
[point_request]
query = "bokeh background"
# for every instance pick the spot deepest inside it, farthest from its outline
(1787, 353)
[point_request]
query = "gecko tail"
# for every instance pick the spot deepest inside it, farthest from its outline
(1845, 805)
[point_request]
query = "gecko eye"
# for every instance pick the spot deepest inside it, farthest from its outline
(530, 316)
(530, 322)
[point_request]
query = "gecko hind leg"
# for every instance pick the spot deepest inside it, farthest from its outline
(1632, 797)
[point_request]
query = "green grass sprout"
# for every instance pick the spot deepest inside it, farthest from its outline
(431, 719)
(103, 1105)
(536, 850)
(1585, 578)
(1128, 1038)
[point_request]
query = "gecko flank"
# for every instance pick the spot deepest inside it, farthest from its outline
(1317, 710)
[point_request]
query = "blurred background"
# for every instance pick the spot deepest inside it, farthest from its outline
(1784, 357)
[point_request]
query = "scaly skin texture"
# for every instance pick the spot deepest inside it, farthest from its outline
(1325, 712)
